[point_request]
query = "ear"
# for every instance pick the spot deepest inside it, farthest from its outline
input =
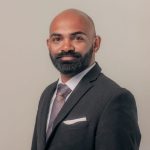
(97, 42)
(47, 42)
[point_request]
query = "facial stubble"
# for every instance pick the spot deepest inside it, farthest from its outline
(72, 67)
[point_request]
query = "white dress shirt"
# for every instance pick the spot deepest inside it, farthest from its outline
(71, 83)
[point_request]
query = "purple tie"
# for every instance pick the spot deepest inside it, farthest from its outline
(62, 92)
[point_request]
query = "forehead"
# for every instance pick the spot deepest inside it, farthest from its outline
(69, 23)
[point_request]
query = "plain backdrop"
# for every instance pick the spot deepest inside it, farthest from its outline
(25, 67)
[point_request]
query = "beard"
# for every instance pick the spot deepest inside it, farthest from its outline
(72, 67)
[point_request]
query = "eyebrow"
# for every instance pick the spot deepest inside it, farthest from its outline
(73, 34)
(55, 34)
(79, 32)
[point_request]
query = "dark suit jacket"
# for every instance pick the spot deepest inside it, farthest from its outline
(109, 112)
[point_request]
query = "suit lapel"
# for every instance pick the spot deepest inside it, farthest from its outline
(84, 86)
(45, 103)
(71, 102)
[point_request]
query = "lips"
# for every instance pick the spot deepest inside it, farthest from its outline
(68, 58)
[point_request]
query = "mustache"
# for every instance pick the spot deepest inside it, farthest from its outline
(71, 53)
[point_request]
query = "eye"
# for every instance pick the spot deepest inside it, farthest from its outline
(56, 39)
(78, 37)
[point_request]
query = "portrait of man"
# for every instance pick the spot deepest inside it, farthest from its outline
(83, 109)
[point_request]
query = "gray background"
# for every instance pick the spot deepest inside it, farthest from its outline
(25, 68)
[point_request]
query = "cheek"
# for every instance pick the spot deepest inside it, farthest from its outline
(53, 49)
(82, 49)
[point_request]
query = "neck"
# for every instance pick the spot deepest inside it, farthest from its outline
(65, 77)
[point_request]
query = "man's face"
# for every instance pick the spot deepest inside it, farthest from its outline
(70, 44)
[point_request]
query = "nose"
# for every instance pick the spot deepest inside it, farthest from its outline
(68, 45)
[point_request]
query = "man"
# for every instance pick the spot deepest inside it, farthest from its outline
(96, 113)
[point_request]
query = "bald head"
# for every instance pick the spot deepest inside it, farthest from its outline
(72, 35)
(74, 16)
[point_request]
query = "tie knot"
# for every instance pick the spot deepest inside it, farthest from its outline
(63, 90)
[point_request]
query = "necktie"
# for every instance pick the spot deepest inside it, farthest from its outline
(61, 94)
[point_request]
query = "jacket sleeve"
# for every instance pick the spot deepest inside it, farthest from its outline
(118, 126)
(34, 139)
